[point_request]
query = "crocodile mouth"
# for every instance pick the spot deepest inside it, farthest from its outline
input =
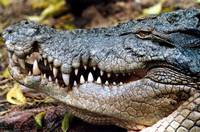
(49, 69)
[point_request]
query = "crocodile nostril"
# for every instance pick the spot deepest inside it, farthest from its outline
(26, 22)
(9, 31)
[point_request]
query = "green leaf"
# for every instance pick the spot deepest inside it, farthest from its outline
(53, 9)
(5, 3)
(6, 73)
(38, 119)
(154, 10)
(197, 1)
(66, 121)
(15, 96)
(43, 3)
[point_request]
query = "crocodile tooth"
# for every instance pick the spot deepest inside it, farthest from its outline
(82, 80)
(75, 83)
(56, 80)
(124, 74)
(106, 83)
(28, 56)
(50, 79)
(45, 76)
(76, 72)
(116, 75)
(50, 67)
(65, 78)
(29, 73)
(36, 70)
(114, 83)
(85, 67)
(108, 75)
(94, 68)
(99, 80)
(15, 59)
(56, 63)
(50, 59)
(55, 72)
(121, 83)
(44, 56)
(45, 62)
(90, 77)
(101, 73)
(22, 63)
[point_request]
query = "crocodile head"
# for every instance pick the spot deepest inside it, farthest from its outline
(131, 75)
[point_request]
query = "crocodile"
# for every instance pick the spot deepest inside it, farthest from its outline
(142, 75)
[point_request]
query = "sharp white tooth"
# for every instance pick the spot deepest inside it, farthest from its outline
(121, 83)
(50, 67)
(50, 59)
(116, 75)
(82, 80)
(29, 73)
(55, 72)
(44, 56)
(76, 72)
(99, 80)
(75, 84)
(85, 67)
(114, 83)
(36, 70)
(94, 68)
(28, 56)
(101, 73)
(90, 77)
(50, 79)
(45, 76)
(108, 75)
(15, 59)
(124, 74)
(45, 62)
(56, 63)
(106, 83)
(56, 80)
(22, 63)
(65, 78)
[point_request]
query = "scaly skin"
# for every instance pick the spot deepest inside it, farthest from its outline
(152, 67)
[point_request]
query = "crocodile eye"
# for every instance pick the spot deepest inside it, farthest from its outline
(143, 34)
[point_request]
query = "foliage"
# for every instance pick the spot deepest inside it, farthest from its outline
(6, 73)
(66, 121)
(51, 8)
(155, 9)
(38, 119)
(5, 3)
(197, 1)
(15, 95)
